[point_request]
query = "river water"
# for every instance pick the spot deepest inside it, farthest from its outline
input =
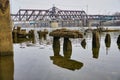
(37, 61)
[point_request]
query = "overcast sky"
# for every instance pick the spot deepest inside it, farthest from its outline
(90, 6)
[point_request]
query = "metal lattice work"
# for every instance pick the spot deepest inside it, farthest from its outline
(51, 14)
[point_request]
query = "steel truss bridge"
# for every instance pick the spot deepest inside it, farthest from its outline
(52, 14)
(65, 17)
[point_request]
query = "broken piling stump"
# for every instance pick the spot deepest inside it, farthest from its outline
(83, 43)
(118, 41)
(107, 40)
(95, 44)
(43, 34)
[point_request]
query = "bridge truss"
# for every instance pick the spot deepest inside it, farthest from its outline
(52, 14)
(63, 17)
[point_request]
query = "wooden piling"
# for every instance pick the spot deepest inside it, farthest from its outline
(118, 42)
(56, 46)
(67, 48)
(6, 45)
(43, 34)
(95, 40)
(118, 39)
(95, 44)
(107, 40)
(83, 43)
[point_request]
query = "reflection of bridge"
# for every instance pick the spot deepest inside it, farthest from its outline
(64, 17)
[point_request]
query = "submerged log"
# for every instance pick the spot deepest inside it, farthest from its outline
(66, 33)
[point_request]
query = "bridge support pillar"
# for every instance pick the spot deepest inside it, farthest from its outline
(6, 46)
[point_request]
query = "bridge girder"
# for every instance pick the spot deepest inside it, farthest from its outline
(50, 14)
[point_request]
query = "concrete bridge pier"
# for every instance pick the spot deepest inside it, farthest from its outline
(6, 46)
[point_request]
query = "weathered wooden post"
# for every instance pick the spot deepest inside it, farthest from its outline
(118, 41)
(95, 44)
(83, 43)
(95, 40)
(6, 46)
(107, 40)
(56, 46)
(6, 68)
(67, 48)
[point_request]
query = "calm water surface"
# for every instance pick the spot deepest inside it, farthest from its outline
(38, 62)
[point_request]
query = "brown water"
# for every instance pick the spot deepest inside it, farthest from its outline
(39, 62)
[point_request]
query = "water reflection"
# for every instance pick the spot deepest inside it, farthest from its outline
(95, 45)
(6, 68)
(21, 40)
(64, 61)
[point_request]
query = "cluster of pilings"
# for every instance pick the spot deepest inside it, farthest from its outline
(108, 41)
(67, 46)
(65, 61)
(43, 34)
(20, 35)
(66, 34)
(96, 43)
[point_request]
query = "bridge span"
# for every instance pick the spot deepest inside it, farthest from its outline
(63, 17)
